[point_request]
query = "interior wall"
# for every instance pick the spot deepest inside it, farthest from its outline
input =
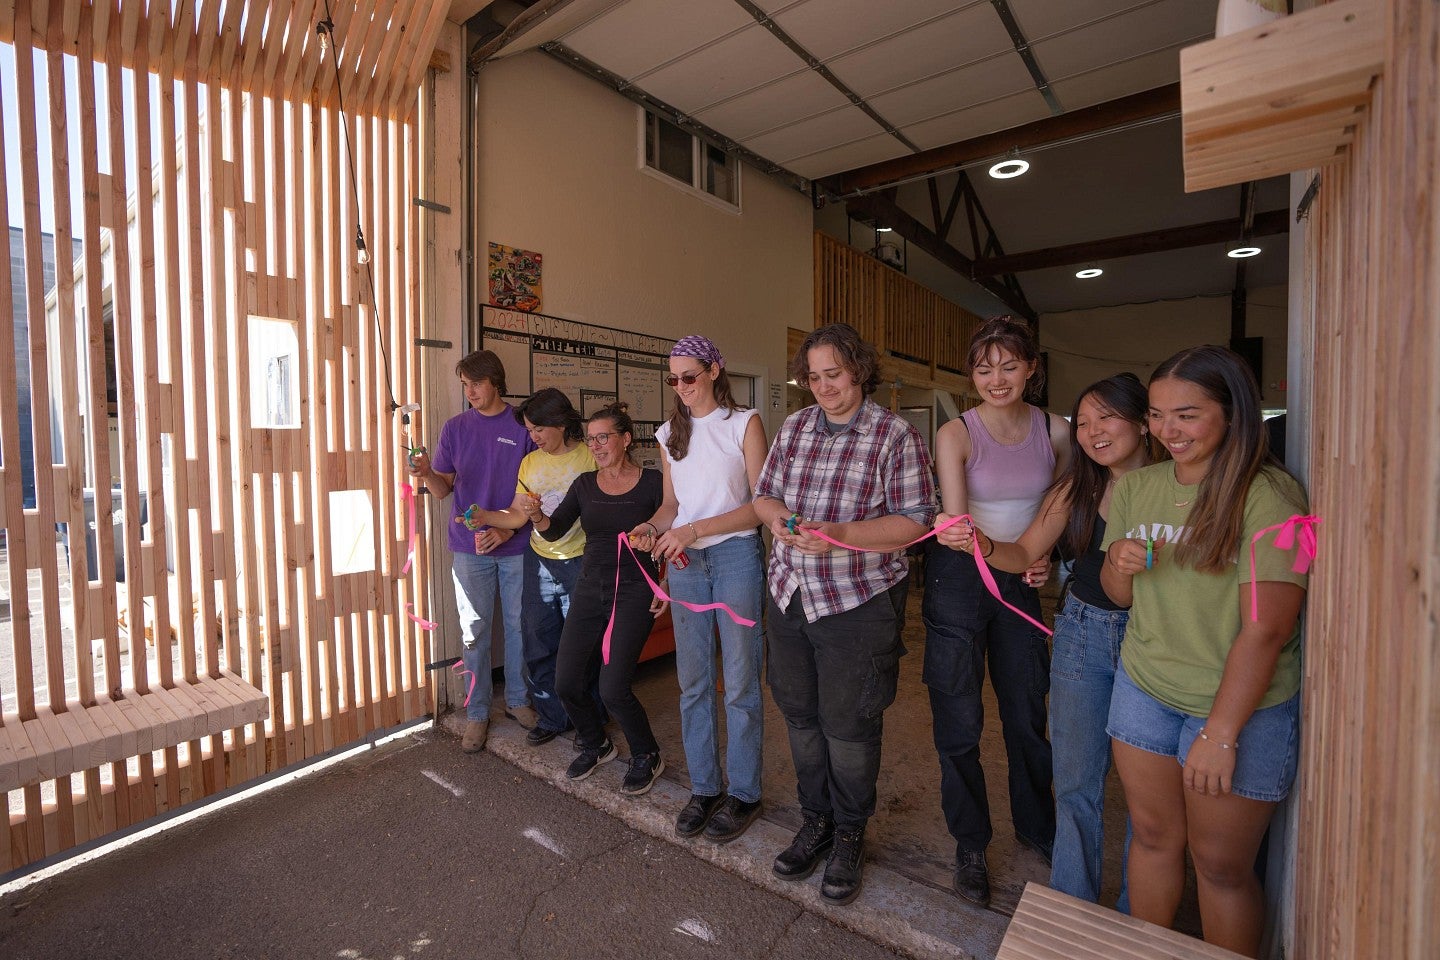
(1088, 345)
(558, 172)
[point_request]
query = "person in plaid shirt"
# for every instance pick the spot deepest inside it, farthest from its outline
(850, 469)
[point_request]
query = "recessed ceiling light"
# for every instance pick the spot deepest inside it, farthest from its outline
(1240, 253)
(1007, 169)
(1089, 273)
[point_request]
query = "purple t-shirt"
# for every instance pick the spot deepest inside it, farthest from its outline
(484, 454)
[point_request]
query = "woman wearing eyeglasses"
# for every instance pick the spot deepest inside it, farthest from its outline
(608, 502)
(713, 452)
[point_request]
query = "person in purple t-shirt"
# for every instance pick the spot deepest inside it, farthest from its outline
(478, 458)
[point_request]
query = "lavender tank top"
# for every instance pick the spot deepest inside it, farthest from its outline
(1006, 482)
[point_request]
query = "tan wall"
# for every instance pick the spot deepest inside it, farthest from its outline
(1087, 345)
(559, 174)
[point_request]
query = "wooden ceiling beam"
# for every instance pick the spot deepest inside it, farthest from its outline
(1150, 105)
(1173, 238)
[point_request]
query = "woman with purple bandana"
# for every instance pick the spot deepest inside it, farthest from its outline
(713, 452)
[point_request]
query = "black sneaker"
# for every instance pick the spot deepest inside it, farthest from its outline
(645, 769)
(589, 759)
(797, 861)
(844, 871)
(732, 819)
(697, 814)
(539, 736)
(972, 877)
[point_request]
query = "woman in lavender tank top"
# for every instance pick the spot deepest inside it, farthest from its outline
(994, 463)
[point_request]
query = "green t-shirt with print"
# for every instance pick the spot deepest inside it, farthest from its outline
(548, 476)
(1183, 622)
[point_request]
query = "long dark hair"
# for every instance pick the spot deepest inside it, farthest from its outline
(618, 415)
(551, 408)
(1015, 337)
(1085, 480)
(1214, 527)
(681, 423)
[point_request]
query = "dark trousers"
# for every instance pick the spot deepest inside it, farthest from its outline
(549, 590)
(832, 680)
(965, 625)
(578, 663)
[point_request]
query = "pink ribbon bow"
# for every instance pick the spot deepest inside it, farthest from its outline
(655, 588)
(986, 576)
(1295, 533)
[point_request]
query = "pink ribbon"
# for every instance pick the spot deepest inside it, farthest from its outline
(408, 493)
(986, 576)
(424, 624)
(655, 588)
(460, 665)
(1296, 533)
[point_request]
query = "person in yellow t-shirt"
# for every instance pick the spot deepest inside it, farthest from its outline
(1205, 709)
(552, 567)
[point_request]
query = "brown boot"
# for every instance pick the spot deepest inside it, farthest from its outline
(475, 733)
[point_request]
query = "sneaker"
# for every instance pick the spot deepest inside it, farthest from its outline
(476, 731)
(972, 877)
(645, 769)
(696, 814)
(732, 819)
(524, 715)
(797, 861)
(590, 758)
(539, 736)
(844, 871)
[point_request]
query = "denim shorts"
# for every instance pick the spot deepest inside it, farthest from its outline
(1265, 761)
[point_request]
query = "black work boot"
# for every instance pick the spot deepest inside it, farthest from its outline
(843, 873)
(798, 860)
(972, 877)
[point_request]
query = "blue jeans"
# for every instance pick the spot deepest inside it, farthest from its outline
(964, 627)
(549, 584)
(1082, 675)
(728, 572)
(477, 579)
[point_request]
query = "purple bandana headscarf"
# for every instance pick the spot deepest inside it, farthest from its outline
(701, 348)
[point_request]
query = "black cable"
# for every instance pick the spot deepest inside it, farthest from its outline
(327, 28)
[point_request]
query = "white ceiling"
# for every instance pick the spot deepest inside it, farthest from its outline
(942, 71)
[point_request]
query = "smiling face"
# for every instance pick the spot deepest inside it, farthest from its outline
(1108, 438)
(481, 395)
(606, 444)
(698, 395)
(1000, 376)
(549, 439)
(1190, 423)
(833, 386)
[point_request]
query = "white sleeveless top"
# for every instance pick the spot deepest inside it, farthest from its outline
(711, 480)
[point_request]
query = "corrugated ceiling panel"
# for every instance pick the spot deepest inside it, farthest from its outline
(1119, 80)
(1040, 19)
(641, 35)
(817, 133)
(1151, 28)
(963, 37)
(739, 63)
(956, 90)
(848, 156)
(985, 118)
(774, 105)
(829, 28)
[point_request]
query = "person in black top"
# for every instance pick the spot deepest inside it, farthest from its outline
(612, 500)
(1108, 426)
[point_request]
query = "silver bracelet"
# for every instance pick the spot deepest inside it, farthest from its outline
(1219, 743)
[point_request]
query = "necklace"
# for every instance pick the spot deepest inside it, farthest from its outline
(1175, 487)
(1008, 438)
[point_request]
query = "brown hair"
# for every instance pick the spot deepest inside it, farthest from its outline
(854, 354)
(482, 365)
(1015, 337)
(1214, 527)
(678, 442)
(618, 415)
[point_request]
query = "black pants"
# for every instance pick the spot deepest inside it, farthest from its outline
(965, 625)
(832, 680)
(579, 661)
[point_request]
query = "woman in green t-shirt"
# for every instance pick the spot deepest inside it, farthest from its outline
(1204, 714)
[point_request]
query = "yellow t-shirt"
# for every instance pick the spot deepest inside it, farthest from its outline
(549, 476)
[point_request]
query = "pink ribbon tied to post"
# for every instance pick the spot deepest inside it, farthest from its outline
(1295, 533)
(986, 576)
(407, 492)
(624, 541)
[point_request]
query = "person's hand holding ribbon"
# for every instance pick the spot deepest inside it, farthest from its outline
(960, 536)
(1131, 556)
(643, 537)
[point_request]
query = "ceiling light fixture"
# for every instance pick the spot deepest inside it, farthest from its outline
(1089, 273)
(884, 229)
(1240, 253)
(1009, 169)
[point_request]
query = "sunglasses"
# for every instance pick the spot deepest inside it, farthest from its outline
(689, 378)
(598, 439)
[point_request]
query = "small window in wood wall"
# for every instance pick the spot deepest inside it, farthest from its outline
(352, 532)
(274, 373)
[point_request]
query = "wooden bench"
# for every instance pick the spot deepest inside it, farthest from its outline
(55, 745)
(1049, 925)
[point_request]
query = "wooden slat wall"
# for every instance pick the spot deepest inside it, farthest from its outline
(1369, 822)
(889, 309)
(244, 208)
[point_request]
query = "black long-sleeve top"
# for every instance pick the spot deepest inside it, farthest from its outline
(604, 518)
